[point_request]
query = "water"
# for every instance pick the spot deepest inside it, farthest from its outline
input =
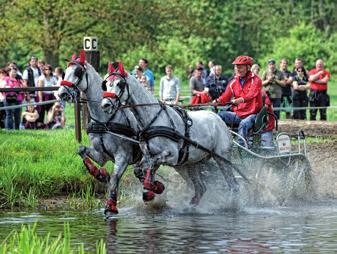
(305, 228)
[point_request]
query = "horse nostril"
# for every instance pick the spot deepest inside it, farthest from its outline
(105, 105)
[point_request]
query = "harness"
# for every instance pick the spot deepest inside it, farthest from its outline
(102, 128)
(150, 132)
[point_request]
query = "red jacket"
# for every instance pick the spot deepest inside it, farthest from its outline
(250, 92)
(316, 86)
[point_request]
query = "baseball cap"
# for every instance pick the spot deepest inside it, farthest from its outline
(271, 61)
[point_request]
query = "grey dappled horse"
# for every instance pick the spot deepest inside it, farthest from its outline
(164, 130)
(81, 76)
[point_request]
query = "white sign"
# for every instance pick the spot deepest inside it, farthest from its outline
(90, 43)
(283, 143)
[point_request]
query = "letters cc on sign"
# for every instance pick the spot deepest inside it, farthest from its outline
(90, 43)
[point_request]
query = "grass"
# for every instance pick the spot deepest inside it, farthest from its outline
(36, 164)
(27, 241)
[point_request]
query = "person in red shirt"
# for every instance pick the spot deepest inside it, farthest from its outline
(244, 93)
(318, 79)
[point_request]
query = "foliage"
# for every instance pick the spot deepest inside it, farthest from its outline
(306, 42)
(175, 32)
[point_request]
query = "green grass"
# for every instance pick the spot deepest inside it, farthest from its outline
(27, 241)
(36, 164)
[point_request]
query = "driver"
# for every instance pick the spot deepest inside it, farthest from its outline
(244, 93)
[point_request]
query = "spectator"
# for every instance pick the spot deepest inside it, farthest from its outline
(255, 69)
(211, 66)
(197, 87)
(216, 83)
(144, 81)
(13, 99)
(30, 77)
(13, 64)
(41, 64)
(300, 98)
(143, 63)
(298, 63)
(169, 89)
(30, 117)
(56, 117)
(138, 72)
(319, 78)
(204, 74)
(46, 80)
(3, 75)
(286, 98)
(273, 81)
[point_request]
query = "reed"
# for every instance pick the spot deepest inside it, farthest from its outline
(27, 241)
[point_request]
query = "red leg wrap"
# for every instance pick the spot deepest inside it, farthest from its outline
(100, 174)
(158, 187)
(111, 206)
(148, 185)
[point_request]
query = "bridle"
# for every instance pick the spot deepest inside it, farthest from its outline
(122, 85)
(72, 88)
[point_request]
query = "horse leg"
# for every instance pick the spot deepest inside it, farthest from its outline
(88, 154)
(150, 187)
(199, 185)
(227, 171)
(111, 204)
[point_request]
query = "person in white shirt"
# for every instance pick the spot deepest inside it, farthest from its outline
(47, 79)
(169, 89)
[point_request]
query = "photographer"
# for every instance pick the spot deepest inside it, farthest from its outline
(273, 81)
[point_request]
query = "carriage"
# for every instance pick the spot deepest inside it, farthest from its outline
(173, 137)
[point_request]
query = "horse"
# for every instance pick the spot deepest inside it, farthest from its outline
(168, 135)
(105, 131)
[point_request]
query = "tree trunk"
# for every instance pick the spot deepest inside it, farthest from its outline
(51, 56)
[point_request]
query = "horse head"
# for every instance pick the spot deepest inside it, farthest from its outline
(72, 83)
(115, 87)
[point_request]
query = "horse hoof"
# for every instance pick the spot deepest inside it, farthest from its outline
(111, 207)
(195, 201)
(82, 152)
(148, 196)
(158, 187)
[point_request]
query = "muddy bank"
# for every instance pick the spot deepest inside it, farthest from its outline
(323, 160)
(310, 128)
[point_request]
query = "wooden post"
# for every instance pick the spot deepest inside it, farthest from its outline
(77, 109)
(92, 56)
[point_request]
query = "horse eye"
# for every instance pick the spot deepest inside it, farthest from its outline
(121, 84)
(104, 88)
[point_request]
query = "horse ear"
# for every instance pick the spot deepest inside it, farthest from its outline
(82, 56)
(111, 69)
(121, 69)
(73, 57)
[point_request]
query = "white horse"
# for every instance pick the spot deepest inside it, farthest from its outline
(81, 76)
(165, 134)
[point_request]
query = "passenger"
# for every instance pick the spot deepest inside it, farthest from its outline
(267, 133)
(244, 92)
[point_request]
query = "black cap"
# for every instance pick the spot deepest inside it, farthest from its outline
(271, 61)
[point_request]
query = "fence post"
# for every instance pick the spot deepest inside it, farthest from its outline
(90, 45)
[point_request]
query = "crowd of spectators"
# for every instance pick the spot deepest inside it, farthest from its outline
(36, 74)
(290, 91)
